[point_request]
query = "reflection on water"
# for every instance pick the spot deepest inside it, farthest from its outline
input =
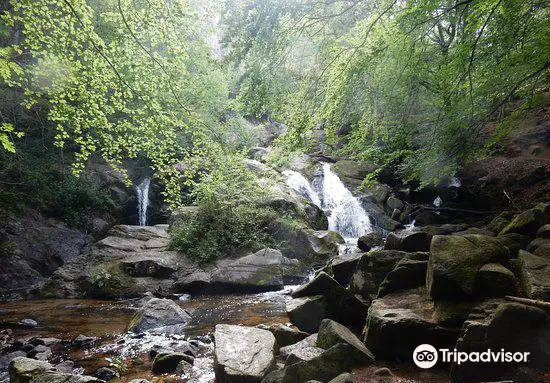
(66, 319)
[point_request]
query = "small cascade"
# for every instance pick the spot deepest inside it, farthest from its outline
(344, 211)
(143, 200)
(300, 183)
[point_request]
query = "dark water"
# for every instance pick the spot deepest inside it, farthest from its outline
(66, 319)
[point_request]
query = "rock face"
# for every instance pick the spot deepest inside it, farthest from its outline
(408, 241)
(500, 325)
(25, 370)
(32, 248)
(455, 261)
(129, 262)
(341, 304)
(331, 333)
(242, 354)
(399, 322)
(264, 270)
(372, 270)
(535, 276)
(158, 313)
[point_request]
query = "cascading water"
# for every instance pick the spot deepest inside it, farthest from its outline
(143, 200)
(300, 183)
(344, 211)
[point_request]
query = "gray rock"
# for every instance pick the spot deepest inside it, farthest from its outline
(408, 241)
(514, 242)
(429, 217)
(500, 325)
(105, 373)
(527, 223)
(242, 354)
(346, 377)
(342, 269)
(306, 313)
(534, 279)
(495, 280)
(310, 341)
(264, 270)
(83, 340)
(369, 240)
(394, 203)
(168, 362)
(332, 333)
(285, 335)
(67, 366)
(303, 354)
(399, 322)
(455, 260)
(25, 370)
(342, 305)
(28, 323)
(408, 273)
(540, 247)
(157, 313)
(544, 231)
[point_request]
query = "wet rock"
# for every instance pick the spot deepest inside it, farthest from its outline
(303, 354)
(5, 359)
(342, 269)
(346, 377)
(310, 341)
(500, 325)
(495, 280)
(408, 273)
(242, 354)
(48, 342)
(534, 279)
(332, 333)
(40, 352)
(527, 223)
(369, 240)
(28, 323)
(264, 270)
(408, 241)
(372, 270)
(342, 305)
(83, 340)
(394, 203)
(399, 322)
(455, 260)
(105, 373)
(168, 362)
(25, 370)
(158, 313)
(285, 335)
(67, 366)
(306, 313)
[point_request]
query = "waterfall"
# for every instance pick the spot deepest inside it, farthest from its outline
(344, 211)
(299, 183)
(143, 200)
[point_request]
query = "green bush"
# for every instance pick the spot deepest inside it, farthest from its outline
(220, 232)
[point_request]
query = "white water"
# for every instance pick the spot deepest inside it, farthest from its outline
(299, 183)
(143, 200)
(438, 201)
(344, 212)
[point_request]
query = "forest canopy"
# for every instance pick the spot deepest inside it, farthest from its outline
(408, 84)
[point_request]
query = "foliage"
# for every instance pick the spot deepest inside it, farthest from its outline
(414, 82)
(230, 217)
(6, 129)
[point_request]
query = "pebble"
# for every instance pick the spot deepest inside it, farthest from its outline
(28, 323)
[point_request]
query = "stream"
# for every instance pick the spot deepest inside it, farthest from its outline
(128, 353)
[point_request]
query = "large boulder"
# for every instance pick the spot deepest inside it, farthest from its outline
(455, 261)
(399, 322)
(498, 325)
(429, 217)
(286, 335)
(342, 268)
(409, 272)
(495, 280)
(25, 370)
(242, 354)
(372, 270)
(159, 313)
(306, 313)
(534, 279)
(369, 240)
(264, 270)
(527, 223)
(408, 241)
(540, 247)
(307, 342)
(342, 305)
(332, 333)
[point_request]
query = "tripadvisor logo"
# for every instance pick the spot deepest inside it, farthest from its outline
(426, 356)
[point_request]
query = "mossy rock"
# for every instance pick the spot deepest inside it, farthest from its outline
(527, 223)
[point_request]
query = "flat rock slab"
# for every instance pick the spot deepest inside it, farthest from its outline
(158, 313)
(242, 354)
